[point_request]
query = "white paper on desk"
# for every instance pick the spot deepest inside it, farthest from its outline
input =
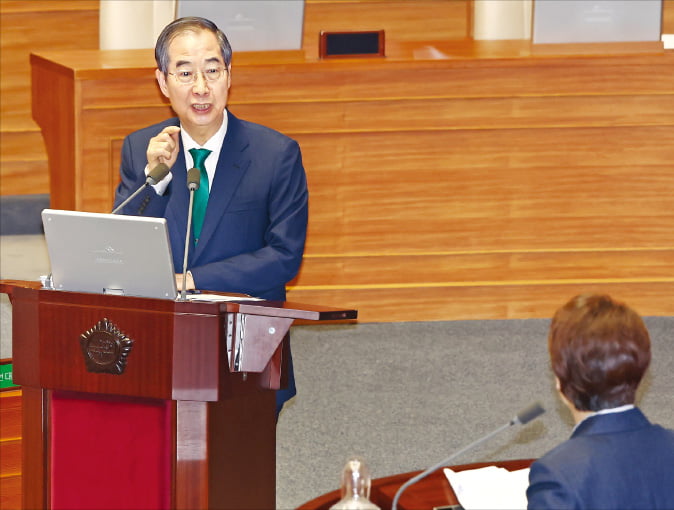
(668, 41)
(218, 298)
(490, 487)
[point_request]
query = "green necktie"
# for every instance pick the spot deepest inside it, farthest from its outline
(200, 195)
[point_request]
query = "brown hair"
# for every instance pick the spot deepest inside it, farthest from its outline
(599, 350)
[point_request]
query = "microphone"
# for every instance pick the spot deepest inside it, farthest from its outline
(157, 174)
(153, 177)
(523, 417)
(526, 415)
(193, 178)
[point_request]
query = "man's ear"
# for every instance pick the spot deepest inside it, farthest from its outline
(161, 79)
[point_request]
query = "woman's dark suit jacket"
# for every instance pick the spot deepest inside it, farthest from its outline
(612, 461)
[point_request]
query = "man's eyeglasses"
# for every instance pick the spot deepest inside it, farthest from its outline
(186, 77)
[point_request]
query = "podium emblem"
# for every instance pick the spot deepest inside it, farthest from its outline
(105, 348)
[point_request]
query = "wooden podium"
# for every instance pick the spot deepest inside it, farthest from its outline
(146, 403)
(432, 492)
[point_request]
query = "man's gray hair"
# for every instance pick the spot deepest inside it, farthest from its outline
(181, 25)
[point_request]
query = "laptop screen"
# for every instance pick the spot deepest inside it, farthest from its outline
(109, 254)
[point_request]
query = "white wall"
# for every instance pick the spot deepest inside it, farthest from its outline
(133, 24)
(502, 19)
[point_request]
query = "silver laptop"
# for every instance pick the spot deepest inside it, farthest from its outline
(109, 254)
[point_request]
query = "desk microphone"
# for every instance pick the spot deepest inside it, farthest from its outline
(524, 416)
(156, 174)
(193, 178)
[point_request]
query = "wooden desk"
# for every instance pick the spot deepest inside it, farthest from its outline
(465, 180)
(432, 491)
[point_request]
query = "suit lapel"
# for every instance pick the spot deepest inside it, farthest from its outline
(176, 210)
(232, 164)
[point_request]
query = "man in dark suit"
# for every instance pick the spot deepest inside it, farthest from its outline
(615, 458)
(249, 226)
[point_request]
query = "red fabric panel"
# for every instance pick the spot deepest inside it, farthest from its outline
(110, 452)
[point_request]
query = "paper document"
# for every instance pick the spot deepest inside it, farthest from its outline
(490, 487)
(219, 297)
(668, 41)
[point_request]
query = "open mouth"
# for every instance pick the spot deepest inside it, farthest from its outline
(201, 107)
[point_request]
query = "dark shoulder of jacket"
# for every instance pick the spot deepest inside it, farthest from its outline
(258, 131)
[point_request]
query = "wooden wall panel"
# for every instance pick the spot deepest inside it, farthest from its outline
(493, 300)
(10, 449)
(445, 178)
(23, 164)
(451, 113)
(470, 76)
(26, 27)
(40, 25)
(62, 24)
(10, 492)
(10, 453)
(453, 160)
(465, 267)
(513, 189)
(34, 26)
(10, 411)
(668, 17)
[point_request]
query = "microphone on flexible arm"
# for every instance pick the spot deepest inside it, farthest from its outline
(193, 178)
(525, 416)
(153, 177)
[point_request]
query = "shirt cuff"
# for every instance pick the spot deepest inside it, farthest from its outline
(161, 186)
